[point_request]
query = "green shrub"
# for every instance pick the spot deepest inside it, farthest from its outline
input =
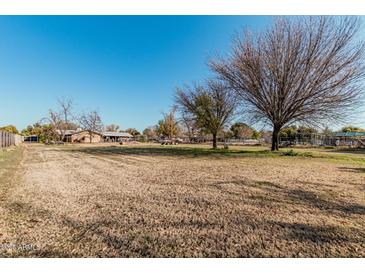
(307, 154)
(290, 153)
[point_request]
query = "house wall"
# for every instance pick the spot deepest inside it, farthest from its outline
(84, 137)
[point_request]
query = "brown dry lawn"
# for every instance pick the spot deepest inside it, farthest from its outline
(184, 201)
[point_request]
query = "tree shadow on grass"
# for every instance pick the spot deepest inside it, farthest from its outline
(320, 234)
(136, 239)
(139, 237)
(360, 151)
(273, 195)
(353, 169)
(168, 151)
(312, 199)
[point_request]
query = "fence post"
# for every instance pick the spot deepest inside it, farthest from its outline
(8, 139)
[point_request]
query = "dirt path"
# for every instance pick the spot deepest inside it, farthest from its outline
(73, 203)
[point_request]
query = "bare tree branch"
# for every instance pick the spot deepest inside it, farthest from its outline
(305, 70)
(211, 106)
(91, 122)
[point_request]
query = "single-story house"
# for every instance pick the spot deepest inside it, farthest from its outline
(349, 138)
(109, 136)
(84, 137)
(81, 136)
(68, 133)
(31, 139)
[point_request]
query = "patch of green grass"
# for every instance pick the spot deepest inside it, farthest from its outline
(344, 158)
(207, 151)
(188, 151)
(290, 152)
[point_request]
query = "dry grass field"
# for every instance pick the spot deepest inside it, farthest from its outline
(181, 201)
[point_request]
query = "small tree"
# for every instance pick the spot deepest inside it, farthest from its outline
(327, 131)
(134, 132)
(189, 126)
(242, 130)
(10, 129)
(306, 70)
(352, 129)
(256, 134)
(307, 130)
(112, 128)
(289, 131)
(45, 132)
(66, 107)
(91, 122)
(169, 126)
(62, 118)
(150, 133)
(211, 106)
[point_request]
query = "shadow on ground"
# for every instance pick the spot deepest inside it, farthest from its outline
(203, 228)
(353, 169)
(360, 151)
(317, 234)
(169, 151)
(274, 195)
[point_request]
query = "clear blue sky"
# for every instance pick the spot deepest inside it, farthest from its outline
(127, 67)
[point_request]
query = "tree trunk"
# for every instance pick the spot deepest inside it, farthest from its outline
(214, 140)
(90, 137)
(275, 139)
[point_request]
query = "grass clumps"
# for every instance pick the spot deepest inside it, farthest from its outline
(9, 160)
(293, 153)
(290, 152)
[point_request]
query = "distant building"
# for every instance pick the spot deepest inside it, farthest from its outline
(31, 139)
(83, 136)
(68, 134)
(109, 136)
(349, 138)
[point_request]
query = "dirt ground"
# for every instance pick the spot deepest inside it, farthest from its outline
(82, 201)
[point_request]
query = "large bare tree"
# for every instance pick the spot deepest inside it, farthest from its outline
(91, 122)
(301, 70)
(62, 118)
(211, 106)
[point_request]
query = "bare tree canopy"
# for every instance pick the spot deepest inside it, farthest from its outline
(300, 70)
(91, 122)
(62, 118)
(189, 126)
(112, 128)
(211, 106)
(151, 133)
(132, 131)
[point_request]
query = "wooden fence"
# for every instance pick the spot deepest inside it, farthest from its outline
(9, 139)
